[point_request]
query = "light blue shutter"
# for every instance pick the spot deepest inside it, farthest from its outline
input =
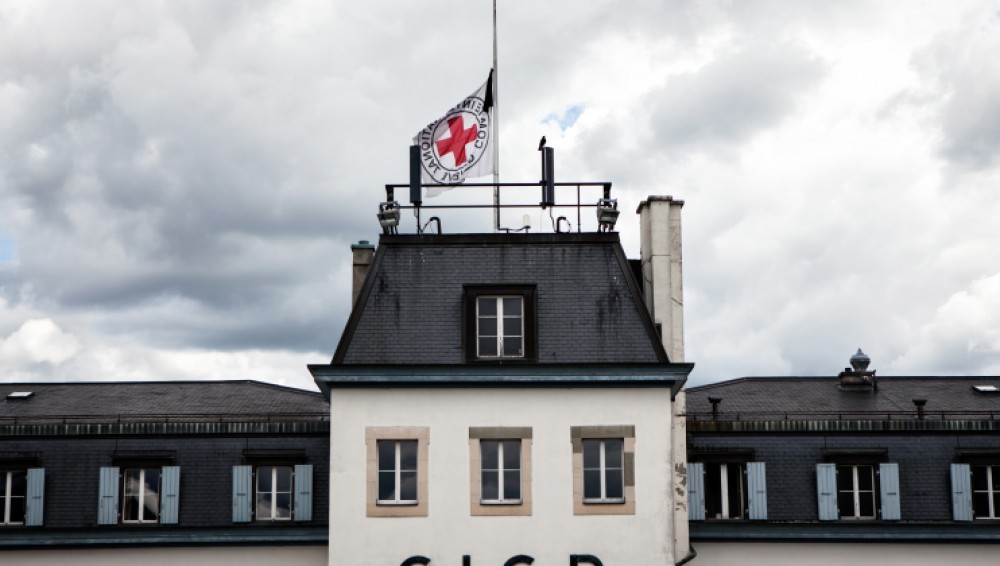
(961, 492)
(303, 492)
(170, 486)
(242, 493)
(757, 491)
(696, 492)
(36, 497)
(826, 491)
(889, 481)
(107, 509)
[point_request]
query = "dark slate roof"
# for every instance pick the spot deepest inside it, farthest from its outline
(763, 397)
(410, 310)
(146, 400)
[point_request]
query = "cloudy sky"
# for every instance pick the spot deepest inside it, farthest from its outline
(180, 181)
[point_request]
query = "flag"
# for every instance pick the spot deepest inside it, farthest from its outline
(460, 143)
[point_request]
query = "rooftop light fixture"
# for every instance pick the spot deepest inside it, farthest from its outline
(388, 216)
(607, 214)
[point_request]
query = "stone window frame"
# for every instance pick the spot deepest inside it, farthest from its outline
(372, 435)
(476, 506)
(627, 434)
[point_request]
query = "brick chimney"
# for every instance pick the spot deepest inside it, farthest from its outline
(363, 253)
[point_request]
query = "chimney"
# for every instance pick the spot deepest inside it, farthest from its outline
(363, 252)
(857, 377)
(662, 283)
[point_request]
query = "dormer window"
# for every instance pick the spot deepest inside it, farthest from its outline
(500, 323)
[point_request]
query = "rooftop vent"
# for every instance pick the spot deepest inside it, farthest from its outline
(19, 395)
(986, 388)
(857, 377)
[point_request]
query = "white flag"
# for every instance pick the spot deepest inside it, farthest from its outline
(460, 143)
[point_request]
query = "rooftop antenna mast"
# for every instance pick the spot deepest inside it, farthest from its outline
(494, 122)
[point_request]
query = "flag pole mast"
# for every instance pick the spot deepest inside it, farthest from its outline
(495, 126)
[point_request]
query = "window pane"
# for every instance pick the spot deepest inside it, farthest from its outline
(488, 347)
(512, 306)
(284, 479)
(130, 508)
(3, 483)
(512, 454)
(613, 486)
(17, 510)
(408, 486)
(131, 479)
(865, 474)
(491, 485)
(263, 505)
(512, 485)
(512, 347)
(489, 454)
(592, 484)
(980, 478)
(591, 453)
(981, 504)
(734, 480)
(283, 508)
(408, 455)
(845, 501)
(867, 501)
(613, 453)
(996, 477)
(487, 326)
(386, 455)
(151, 507)
(264, 479)
(487, 306)
(713, 491)
(996, 504)
(18, 483)
(845, 478)
(386, 486)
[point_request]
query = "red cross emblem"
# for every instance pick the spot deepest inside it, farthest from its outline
(459, 137)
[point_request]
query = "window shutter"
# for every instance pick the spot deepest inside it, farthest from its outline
(36, 497)
(889, 481)
(107, 510)
(303, 492)
(961, 492)
(242, 493)
(170, 479)
(696, 492)
(826, 488)
(757, 491)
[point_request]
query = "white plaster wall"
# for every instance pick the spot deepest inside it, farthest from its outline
(845, 554)
(170, 556)
(552, 532)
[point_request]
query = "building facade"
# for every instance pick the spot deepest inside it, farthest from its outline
(155, 472)
(503, 399)
(844, 469)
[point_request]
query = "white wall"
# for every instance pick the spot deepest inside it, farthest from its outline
(552, 532)
(844, 554)
(170, 556)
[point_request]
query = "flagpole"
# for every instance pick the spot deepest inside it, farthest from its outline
(495, 127)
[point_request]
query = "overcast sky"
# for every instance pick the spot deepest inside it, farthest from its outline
(180, 181)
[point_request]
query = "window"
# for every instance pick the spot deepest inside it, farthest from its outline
(500, 470)
(138, 493)
(397, 471)
(603, 470)
(13, 496)
(986, 492)
(273, 493)
(856, 491)
(722, 489)
(272, 489)
(725, 491)
(141, 495)
(863, 490)
(500, 323)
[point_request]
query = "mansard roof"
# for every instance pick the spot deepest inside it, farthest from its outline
(411, 308)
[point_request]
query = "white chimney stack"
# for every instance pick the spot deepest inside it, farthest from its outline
(662, 281)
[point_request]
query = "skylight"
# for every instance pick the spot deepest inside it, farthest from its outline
(19, 395)
(986, 388)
